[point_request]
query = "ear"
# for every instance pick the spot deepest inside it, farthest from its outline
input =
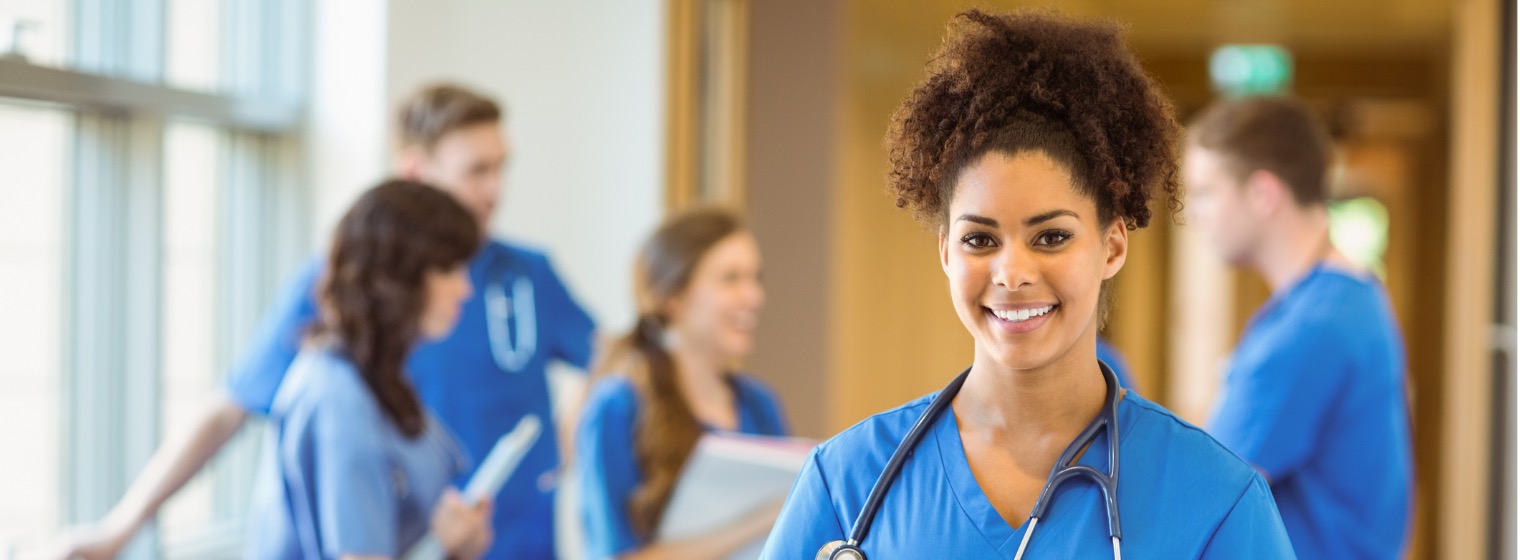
(409, 162)
(944, 250)
(1265, 192)
(672, 308)
(1117, 243)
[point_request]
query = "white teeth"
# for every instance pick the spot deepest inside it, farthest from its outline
(1021, 315)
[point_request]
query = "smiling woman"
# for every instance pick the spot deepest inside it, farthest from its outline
(1033, 146)
(669, 381)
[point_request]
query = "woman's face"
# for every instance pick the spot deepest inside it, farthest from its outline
(718, 311)
(446, 290)
(1026, 258)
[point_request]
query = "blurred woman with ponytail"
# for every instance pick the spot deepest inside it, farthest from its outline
(670, 380)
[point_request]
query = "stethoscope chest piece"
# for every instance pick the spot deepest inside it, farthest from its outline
(503, 313)
(839, 550)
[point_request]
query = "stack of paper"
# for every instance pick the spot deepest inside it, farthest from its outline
(728, 477)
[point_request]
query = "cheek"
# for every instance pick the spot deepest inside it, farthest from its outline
(964, 273)
(700, 311)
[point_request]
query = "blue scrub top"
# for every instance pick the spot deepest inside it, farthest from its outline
(608, 466)
(1110, 355)
(1314, 396)
(337, 477)
(458, 376)
(1181, 495)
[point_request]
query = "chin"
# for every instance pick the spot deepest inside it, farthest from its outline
(435, 332)
(738, 350)
(1020, 356)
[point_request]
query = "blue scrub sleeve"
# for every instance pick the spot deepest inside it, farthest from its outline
(356, 502)
(1253, 528)
(807, 520)
(257, 375)
(575, 333)
(1274, 407)
(608, 469)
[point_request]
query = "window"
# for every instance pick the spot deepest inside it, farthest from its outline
(34, 140)
(187, 347)
(193, 51)
(149, 197)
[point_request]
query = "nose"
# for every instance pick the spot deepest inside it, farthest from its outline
(1014, 268)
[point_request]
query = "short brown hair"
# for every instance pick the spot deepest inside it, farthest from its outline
(1036, 81)
(439, 109)
(1276, 134)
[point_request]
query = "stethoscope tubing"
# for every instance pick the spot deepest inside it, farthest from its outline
(1065, 469)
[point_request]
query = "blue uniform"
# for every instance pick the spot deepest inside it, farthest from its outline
(608, 466)
(338, 478)
(1314, 397)
(1116, 362)
(477, 398)
(1181, 495)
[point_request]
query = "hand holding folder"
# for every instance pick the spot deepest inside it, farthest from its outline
(489, 478)
(728, 477)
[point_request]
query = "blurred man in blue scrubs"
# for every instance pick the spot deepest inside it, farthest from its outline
(1314, 395)
(481, 379)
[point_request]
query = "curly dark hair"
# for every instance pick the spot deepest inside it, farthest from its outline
(1036, 81)
(374, 289)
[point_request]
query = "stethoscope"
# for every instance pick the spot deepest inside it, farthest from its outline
(1065, 469)
(506, 314)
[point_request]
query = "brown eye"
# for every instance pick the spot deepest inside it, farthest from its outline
(1052, 238)
(978, 241)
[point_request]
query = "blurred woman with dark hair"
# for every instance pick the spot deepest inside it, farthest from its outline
(357, 466)
(669, 381)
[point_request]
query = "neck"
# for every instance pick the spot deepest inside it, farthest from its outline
(1054, 401)
(1299, 240)
(699, 373)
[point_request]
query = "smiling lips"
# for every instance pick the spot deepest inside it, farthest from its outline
(1021, 315)
(1019, 321)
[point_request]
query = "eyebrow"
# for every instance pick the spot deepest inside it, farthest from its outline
(1028, 222)
(1047, 216)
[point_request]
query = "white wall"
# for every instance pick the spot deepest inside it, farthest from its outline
(346, 124)
(583, 83)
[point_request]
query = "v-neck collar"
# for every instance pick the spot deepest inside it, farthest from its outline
(743, 423)
(974, 502)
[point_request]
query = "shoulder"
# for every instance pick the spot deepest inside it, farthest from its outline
(613, 397)
(521, 252)
(1337, 313)
(320, 379)
(867, 445)
(1208, 465)
(752, 387)
(1338, 298)
(303, 282)
(313, 267)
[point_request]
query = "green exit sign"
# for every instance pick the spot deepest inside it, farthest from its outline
(1251, 69)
